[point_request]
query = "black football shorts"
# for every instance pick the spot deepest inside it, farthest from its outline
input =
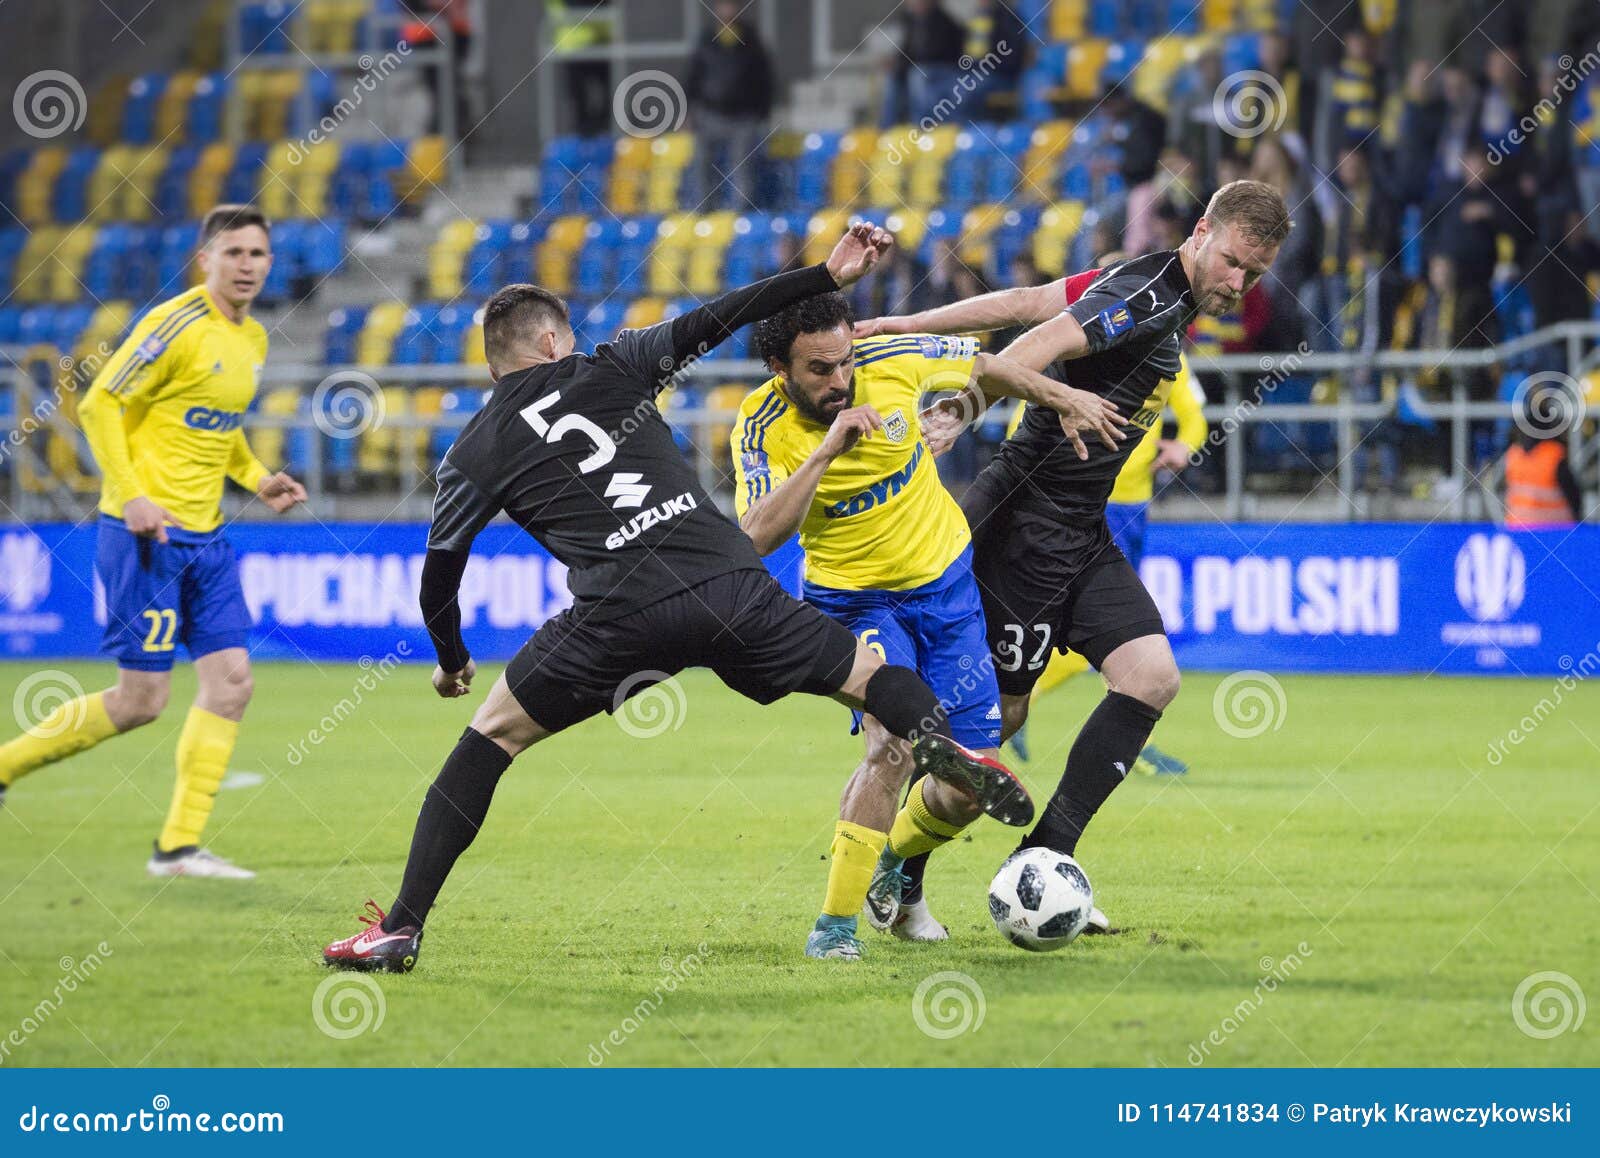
(760, 641)
(1049, 585)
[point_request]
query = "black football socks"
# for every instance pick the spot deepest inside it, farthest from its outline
(452, 812)
(898, 699)
(1106, 747)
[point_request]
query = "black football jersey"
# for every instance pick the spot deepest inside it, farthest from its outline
(577, 453)
(1134, 315)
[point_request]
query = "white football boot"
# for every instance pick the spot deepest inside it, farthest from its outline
(197, 862)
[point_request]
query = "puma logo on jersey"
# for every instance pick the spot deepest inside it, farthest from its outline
(660, 513)
(625, 489)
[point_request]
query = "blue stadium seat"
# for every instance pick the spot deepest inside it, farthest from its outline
(69, 199)
(206, 108)
(449, 324)
(1240, 52)
(286, 244)
(172, 187)
(177, 249)
(416, 343)
(139, 108)
(455, 404)
(599, 323)
(1182, 18)
(264, 28)
(322, 247)
(519, 249)
(10, 325)
(1105, 18)
(339, 340)
(245, 175)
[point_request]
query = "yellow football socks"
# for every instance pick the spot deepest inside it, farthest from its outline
(1061, 668)
(855, 852)
(917, 830)
(204, 748)
(75, 725)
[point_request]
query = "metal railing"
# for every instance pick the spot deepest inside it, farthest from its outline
(1248, 381)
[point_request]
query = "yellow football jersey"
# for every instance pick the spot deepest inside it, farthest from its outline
(1136, 481)
(881, 519)
(164, 416)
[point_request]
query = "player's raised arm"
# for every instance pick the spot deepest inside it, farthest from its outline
(1081, 412)
(658, 352)
(460, 511)
(773, 518)
(1002, 309)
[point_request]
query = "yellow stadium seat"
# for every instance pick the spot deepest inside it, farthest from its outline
(908, 226)
(66, 267)
(269, 441)
(376, 341)
(472, 351)
(630, 165)
(670, 154)
(644, 312)
(1069, 19)
(887, 167)
(279, 95)
(1219, 15)
(32, 273)
(1162, 61)
(669, 256)
(711, 234)
(445, 257)
(822, 233)
(381, 443)
(1040, 164)
(554, 255)
(1058, 225)
(427, 164)
(206, 180)
(104, 122)
(172, 114)
(850, 165)
(136, 195)
(977, 225)
(208, 34)
(36, 182)
(929, 155)
(1260, 15)
(1086, 61)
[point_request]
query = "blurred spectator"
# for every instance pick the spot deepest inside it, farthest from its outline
(997, 43)
(1279, 162)
(730, 95)
(1506, 100)
(1467, 220)
(1353, 96)
(424, 32)
(1319, 28)
(1278, 63)
(1541, 490)
(575, 26)
(927, 67)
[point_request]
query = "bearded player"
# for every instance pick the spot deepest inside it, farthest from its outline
(1050, 573)
(831, 449)
(163, 419)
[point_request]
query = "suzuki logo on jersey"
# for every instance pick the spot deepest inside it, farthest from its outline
(625, 489)
(1491, 577)
(660, 513)
(205, 418)
(878, 493)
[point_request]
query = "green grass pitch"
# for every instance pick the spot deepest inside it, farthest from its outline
(1359, 885)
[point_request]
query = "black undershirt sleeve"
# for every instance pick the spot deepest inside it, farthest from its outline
(441, 613)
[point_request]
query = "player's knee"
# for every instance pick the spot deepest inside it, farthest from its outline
(1157, 686)
(231, 690)
(134, 706)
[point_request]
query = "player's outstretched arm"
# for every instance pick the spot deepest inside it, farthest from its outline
(1081, 411)
(772, 519)
(1058, 340)
(658, 352)
(1002, 309)
(460, 511)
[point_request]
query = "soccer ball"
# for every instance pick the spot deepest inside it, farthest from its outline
(1040, 900)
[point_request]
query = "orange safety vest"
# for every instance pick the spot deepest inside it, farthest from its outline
(1533, 497)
